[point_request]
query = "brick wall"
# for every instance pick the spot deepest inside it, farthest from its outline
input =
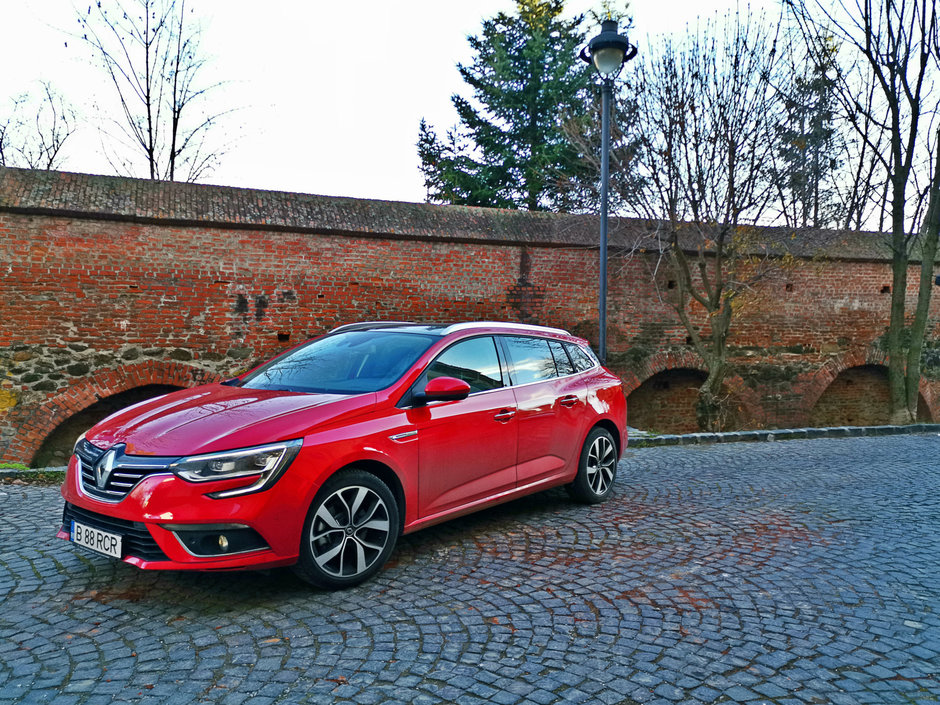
(665, 403)
(859, 396)
(110, 285)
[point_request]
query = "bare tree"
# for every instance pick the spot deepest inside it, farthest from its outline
(34, 131)
(706, 143)
(150, 50)
(888, 89)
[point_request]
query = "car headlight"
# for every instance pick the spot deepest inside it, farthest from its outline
(263, 463)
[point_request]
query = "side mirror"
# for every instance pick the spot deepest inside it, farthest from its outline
(443, 389)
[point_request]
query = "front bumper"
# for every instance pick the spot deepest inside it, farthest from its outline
(276, 514)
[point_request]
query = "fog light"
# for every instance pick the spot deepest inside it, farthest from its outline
(206, 540)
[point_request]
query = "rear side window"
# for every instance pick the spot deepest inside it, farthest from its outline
(562, 362)
(474, 361)
(532, 359)
(582, 359)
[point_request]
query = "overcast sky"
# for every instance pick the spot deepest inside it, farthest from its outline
(330, 94)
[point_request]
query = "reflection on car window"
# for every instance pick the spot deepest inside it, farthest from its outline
(345, 363)
(532, 360)
(474, 361)
(562, 362)
(582, 359)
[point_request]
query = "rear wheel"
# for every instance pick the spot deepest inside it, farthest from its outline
(597, 468)
(350, 531)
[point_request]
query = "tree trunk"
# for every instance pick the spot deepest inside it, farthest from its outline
(930, 229)
(711, 407)
(896, 347)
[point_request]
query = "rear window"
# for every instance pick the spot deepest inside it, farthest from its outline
(582, 359)
(562, 362)
(345, 363)
(532, 359)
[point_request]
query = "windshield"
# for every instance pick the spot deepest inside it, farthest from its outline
(345, 363)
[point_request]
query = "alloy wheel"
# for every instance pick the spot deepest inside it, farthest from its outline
(349, 531)
(601, 464)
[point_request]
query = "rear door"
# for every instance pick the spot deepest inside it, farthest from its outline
(551, 407)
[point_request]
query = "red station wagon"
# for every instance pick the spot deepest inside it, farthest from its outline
(323, 456)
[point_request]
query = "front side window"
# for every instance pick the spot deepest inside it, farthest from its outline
(474, 361)
(532, 359)
(345, 363)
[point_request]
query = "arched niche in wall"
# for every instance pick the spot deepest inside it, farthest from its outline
(57, 446)
(665, 402)
(859, 396)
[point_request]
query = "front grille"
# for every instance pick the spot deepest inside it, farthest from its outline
(125, 470)
(136, 540)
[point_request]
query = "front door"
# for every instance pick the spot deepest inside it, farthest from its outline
(466, 448)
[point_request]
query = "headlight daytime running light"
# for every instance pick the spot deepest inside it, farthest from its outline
(267, 463)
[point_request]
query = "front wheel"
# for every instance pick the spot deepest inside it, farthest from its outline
(597, 468)
(350, 531)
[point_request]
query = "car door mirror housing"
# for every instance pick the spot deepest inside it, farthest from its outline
(443, 389)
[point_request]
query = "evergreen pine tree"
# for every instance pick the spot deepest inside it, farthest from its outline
(509, 149)
(809, 146)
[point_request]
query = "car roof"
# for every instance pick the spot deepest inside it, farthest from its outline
(444, 329)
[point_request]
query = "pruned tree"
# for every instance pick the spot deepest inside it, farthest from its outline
(150, 51)
(706, 141)
(889, 93)
(35, 130)
(509, 150)
(583, 132)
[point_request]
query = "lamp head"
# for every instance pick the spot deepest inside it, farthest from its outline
(608, 51)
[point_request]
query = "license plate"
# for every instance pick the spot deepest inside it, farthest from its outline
(97, 540)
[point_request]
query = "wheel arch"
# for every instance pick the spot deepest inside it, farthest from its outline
(389, 477)
(610, 427)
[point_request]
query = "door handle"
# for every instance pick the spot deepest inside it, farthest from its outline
(569, 400)
(505, 414)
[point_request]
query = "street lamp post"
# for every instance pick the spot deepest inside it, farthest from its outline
(607, 52)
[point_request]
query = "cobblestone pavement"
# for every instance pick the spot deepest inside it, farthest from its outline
(790, 572)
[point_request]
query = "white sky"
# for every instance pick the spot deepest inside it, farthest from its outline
(330, 93)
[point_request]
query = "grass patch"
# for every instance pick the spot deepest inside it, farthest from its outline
(41, 478)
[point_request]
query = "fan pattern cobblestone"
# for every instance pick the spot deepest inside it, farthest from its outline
(802, 571)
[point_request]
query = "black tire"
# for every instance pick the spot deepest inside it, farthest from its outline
(597, 468)
(350, 531)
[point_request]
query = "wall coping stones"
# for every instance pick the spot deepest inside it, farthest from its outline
(94, 197)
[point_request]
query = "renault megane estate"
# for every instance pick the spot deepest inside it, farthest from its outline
(323, 456)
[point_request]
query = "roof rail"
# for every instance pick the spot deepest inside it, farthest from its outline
(370, 325)
(503, 324)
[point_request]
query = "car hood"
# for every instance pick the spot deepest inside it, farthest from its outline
(218, 417)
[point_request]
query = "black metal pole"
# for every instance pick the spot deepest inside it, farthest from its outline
(606, 94)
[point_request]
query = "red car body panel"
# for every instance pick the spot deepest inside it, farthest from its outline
(442, 459)
(464, 469)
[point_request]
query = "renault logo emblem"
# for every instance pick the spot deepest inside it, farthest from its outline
(103, 468)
